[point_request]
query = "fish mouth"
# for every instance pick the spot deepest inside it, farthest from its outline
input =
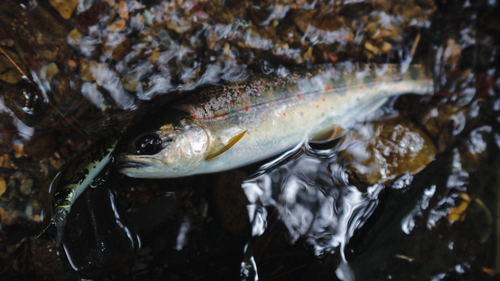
(123, 162)
(128, 164)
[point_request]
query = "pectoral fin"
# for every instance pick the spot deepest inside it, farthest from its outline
(328, 134)
(216, 152)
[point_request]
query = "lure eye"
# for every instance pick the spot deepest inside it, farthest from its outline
(148, 144)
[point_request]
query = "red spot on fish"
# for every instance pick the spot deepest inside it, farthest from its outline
(213, 102)
(239, 93)
(265, 80)
(381, 76)
(298, 97)
(216, 116)
(246, 108)
(204, 117)
(334, 71)
(317, 106)
(396, 76)
(194, 117)
(309, 76)
(277, 84)
(282, 79)
(224, 116)
(323, 99)
(361, 87)
(294, 78)
(375, 88)
(256, 89)
(231, 101)
(284, 114)
(328, 88)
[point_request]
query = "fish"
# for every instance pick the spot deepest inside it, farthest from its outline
(232, 125)
(75, 178)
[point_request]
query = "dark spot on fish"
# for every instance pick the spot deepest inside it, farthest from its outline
(414, 73)
(301, 113)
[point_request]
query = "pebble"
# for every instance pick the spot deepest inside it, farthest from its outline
(26, 185)
(3, 186)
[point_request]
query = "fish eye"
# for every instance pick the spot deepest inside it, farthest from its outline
(148, 143)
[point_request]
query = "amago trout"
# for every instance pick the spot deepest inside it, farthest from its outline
(232, 125)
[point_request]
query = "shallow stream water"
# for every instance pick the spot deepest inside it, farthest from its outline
(410, 194)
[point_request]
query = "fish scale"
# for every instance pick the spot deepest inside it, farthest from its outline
(236, 124)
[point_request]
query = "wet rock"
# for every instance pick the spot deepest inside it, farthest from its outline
(384, 150)
(26, 186)
(41, 145)
(26, 102)
(45, 259)
(66, 87)
(122, 10)
(86, 70)
(121, 50)
(92, 16)
(48, 71)
(8, 72)
(64, 7)
(3, 186)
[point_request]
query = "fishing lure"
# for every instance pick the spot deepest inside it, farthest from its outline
(77, 176)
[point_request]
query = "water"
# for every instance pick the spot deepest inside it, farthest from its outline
(407, 196)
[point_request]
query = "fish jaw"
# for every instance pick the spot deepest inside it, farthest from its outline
(141, 166)
(169, 163)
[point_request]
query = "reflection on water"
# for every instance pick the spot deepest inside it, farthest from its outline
(411, 197)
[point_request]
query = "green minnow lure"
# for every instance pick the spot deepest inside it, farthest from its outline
(232, 125)
(77, 176)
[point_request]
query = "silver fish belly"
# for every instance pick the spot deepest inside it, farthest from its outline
(233, 125)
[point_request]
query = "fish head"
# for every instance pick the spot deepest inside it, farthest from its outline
(167, 150)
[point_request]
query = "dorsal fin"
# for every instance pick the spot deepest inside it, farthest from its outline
(216, 152)
(328, 134)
